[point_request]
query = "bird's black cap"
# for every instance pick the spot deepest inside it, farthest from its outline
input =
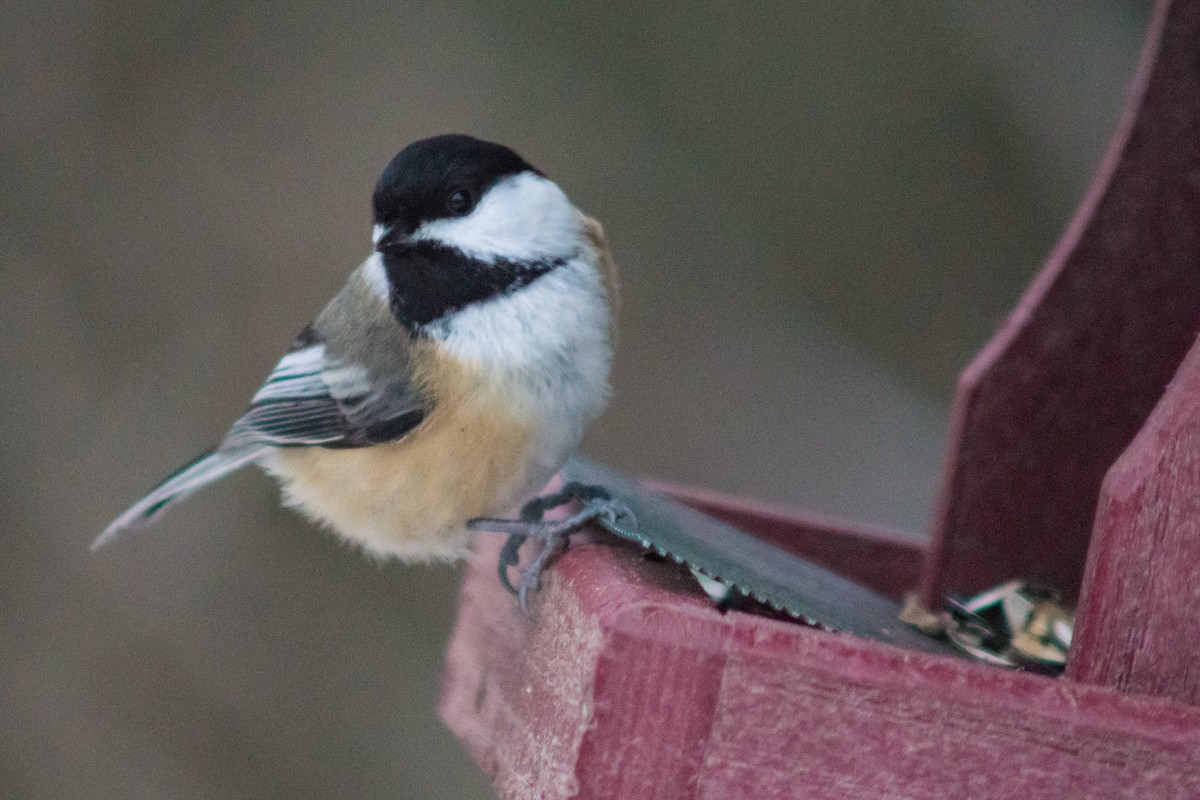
(417, 185)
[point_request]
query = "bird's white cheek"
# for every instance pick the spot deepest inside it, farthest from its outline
(524, 217)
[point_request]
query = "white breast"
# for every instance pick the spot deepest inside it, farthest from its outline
(548, 346)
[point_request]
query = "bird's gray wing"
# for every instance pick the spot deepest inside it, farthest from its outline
(313, 398)
(318, 397)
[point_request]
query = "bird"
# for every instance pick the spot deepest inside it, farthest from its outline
(450, 378)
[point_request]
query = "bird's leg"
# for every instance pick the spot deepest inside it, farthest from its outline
(597, 503)
(536, 508)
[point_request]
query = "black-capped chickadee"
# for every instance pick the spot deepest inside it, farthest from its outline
(451, 377)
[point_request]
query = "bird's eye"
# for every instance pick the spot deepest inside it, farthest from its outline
(459, 202)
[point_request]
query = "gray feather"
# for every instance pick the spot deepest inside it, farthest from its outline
(179, 485)
(345, 383)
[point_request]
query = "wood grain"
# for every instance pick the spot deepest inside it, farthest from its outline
(1137, 627)
(626, 683)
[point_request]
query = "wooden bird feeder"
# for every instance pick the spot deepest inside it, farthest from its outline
(1074, 459)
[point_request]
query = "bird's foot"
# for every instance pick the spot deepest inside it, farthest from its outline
(597, 504)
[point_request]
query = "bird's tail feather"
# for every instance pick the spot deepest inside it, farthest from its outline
(185, 480)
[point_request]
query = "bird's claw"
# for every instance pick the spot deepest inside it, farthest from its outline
(597, 504)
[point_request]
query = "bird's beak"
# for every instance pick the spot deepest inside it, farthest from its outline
(384, 236)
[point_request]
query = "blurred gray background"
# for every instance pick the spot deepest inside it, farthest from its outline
(821, 211)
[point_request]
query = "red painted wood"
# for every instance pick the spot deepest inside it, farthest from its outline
(1138, 624)
(625, 683)
(1063, 387)
(887, 561)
